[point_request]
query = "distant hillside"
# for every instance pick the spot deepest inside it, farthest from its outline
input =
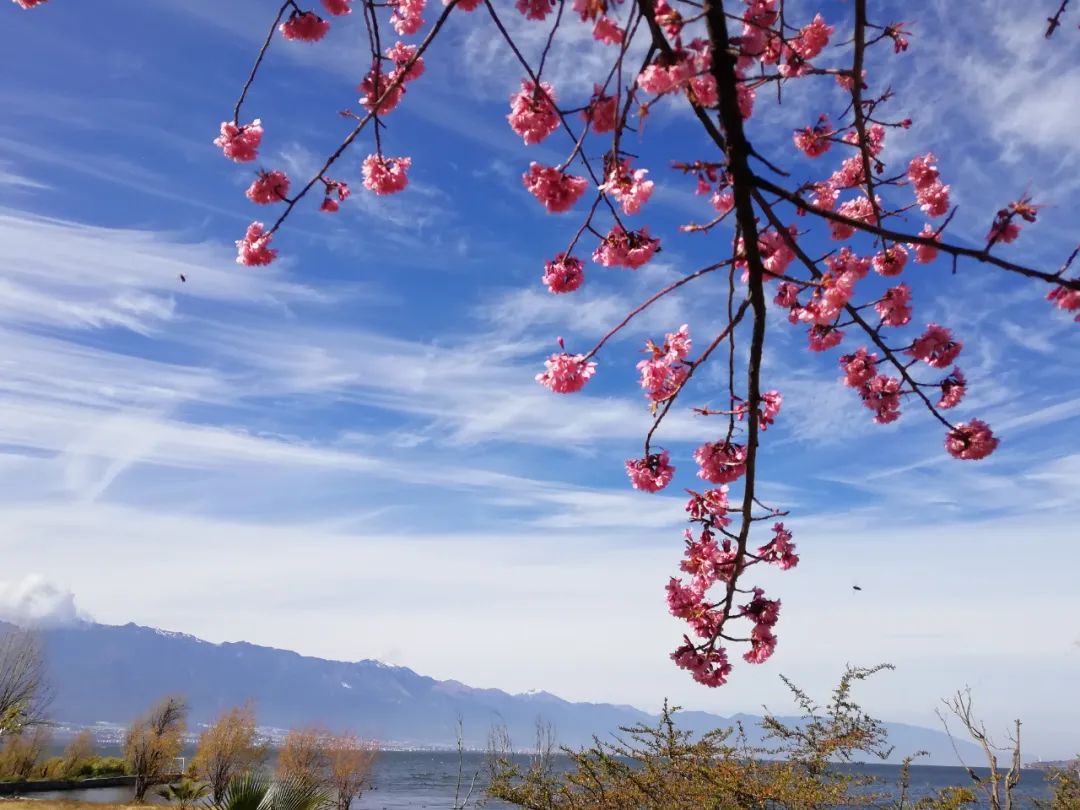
(106, 673)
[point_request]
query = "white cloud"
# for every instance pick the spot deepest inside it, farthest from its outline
(37, 602)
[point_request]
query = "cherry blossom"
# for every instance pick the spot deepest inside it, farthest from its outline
(814, 141)
(812, 38)
(330, 204)
(710, 506)
(650, 474)
(240, 143)
(882, 395)
(710, 668)
(891, 261)
(254, 249)
(859, 368)
(762, 645)
(721, 462)
(626, 249)
(378, 85)
(554, 188)
(385, 175)
(401, 53)
(306, 26)
(607, 31)
(268, 187)
(28, 4)
(924, 254)
(823, 337)
(1066, 299)
(761, 610)
(408, 16)
(628, 186)
(894, 307)
(566, 374)
(860, 209)
(601, 112)
(564, 273)
(971, 440)
(535, 9)
(780, 551)
(337, 7)
(532, 113)
(936, 347)
(953, 389)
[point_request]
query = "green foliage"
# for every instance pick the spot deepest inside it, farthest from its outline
(256, 791)
(1066, 784)
(101, 766)
(664, 768)
(951, 798)
(184, 793)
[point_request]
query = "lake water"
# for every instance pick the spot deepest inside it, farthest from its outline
(422, 779)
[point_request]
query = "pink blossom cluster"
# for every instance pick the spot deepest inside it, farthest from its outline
(650, 474)
(564, 373)
(815, 141)
(390, 86)
(721, 462)
(621, 248)
(860, 209)
(953, 389)
(831, 293)
(924, 254)
(971, 441)
(306, 26)
(709, 562)
(628, 186)
(709, 668)
(28, 4)
(1005, 228)
(385, 175)
(535, 9)
(891, 260)
(688, 70)
(254, 249)
(555, 189)
(240, 143)
(779, 551)
(601, 112)
(269, 187)
(564, 273)
(666, 369)
(336, 193)
(936, 347)
(894, 306)
(608, 31)
(932, 194)
(760, 41)
(768, 410)
(1066, 299)
(338, 8)
(408, 15)
(532, 112)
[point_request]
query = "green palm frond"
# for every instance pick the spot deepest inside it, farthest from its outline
(295, 794)
(186, 792)
(256, 791)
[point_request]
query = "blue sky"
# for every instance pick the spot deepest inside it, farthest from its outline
(346, 454)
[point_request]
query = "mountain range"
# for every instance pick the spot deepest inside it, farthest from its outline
(109, 674)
